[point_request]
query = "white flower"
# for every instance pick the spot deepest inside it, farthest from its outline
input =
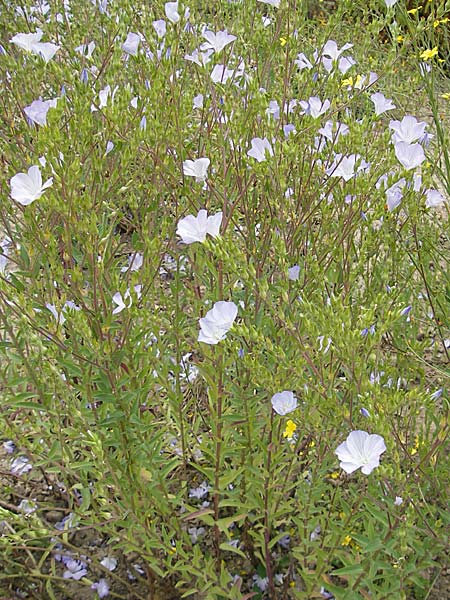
(131, 44)
(221, 74)
(275, 3)
(126, 301)
(314, 106)
(5, 246)
(343, 166)
(26, 188)
(197, 168)
(86, 49)
(217, 41)
(198, 101)
(215, 325)
(284, 402)
(26, 41)
(398, 501)
(360, 450)
(390, 3)
(135, 262)
(103, 97)
(31, 43)
(259, 149)
(171, 10)
(194, 229)
(303, 62)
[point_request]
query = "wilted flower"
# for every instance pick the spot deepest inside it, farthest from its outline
(27, 506)
(126, 301)
(275, 3)
(284, 402)
(302, 62)
(195, 533)
(160, 27)
(20, 465)
(293, 273)
(75, 569)
(131, 44)
(360, 450)
(9, 446)
(101, 587)
(434, 396)
(26, 188)
(197, 168)
(433, 198)
(194, 229)
(86, 49)
(5, 245)
(261, 582)
(171, 10)
(135, 262)
(217, 322)
(328, 130)
(109, 562)
(200, 492)
(394, 194)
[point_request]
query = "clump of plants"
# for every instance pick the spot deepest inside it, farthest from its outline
(224, 301)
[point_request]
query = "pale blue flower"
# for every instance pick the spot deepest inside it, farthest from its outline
(37, 110)
(260, 148)
(410, 156)
(381, 103)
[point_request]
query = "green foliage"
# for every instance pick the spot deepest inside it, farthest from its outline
(126, 411)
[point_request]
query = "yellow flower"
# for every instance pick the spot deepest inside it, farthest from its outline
(436, 23)
(427, 54)
(283, 41)
(290, 429)
(334, 475)
(414, 10)
(446, 96)
(346, 82)
(400, 39)
(346, 541)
